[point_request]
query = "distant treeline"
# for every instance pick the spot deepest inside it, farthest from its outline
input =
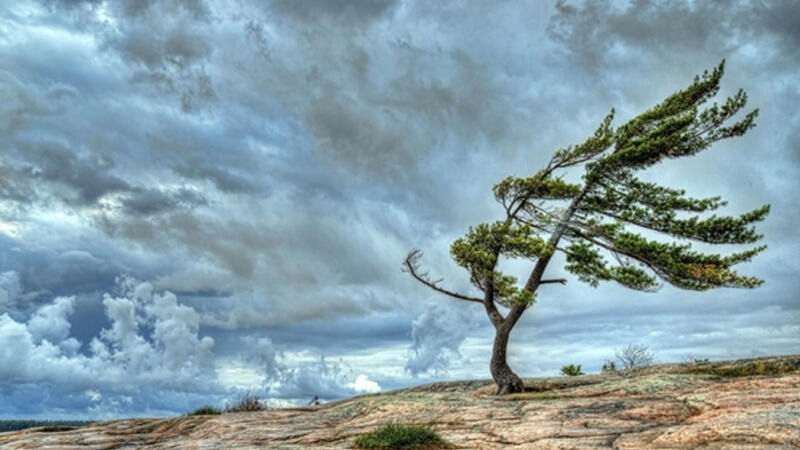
(13, 425)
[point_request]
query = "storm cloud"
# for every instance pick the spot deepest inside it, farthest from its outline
(204, 190)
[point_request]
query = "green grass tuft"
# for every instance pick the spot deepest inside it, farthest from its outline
(396, 436)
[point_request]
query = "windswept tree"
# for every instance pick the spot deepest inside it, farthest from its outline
(610, 225)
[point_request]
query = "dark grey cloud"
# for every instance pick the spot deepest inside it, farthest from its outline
(224, 180)
(148, 202)
(10, 289)
(89, 180)
(271, 163)
(15, 185)
(345, 13)
(594, 31)
(162, 41)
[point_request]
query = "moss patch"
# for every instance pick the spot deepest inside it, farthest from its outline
(748, 369)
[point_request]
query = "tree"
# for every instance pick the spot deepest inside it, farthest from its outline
(571, 370)
(604, 224)
(635, 357)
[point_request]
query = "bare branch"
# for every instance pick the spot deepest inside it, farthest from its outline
(635, 357)
(556, 280)
(411, 265)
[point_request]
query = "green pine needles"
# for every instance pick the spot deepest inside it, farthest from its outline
(613, 226)
(607, 210)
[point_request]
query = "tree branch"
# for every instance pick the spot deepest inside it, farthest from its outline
(557, 280)
(411, 266)
(615, 251)
(535, 277)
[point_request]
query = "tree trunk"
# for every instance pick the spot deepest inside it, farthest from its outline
(507, 381)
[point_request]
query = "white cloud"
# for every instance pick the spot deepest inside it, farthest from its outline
(93, 394)
(296, 377)
(238, 375)
(51, 322)
(152, 355)
(364, 385)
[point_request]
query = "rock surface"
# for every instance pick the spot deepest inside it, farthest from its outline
(676, 406)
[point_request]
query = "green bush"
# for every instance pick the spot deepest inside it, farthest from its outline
(571, 370)
(205, 411)
(401, 436)
(609, 367)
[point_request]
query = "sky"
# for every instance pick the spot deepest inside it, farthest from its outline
(202, 198)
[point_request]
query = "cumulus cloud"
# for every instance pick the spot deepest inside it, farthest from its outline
(326, 379)
(124, 369)
(364, 384)
(298, 378)
(436, 337)
(50, 322)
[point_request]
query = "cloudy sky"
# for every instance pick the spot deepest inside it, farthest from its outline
(200, 197)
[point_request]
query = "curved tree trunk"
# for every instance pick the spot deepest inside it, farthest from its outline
(507, 381)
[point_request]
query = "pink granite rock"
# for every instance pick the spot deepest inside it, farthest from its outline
(670, 406)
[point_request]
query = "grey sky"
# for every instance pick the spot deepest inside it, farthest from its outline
(199, 197)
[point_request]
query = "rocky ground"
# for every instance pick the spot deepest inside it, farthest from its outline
(735, 404)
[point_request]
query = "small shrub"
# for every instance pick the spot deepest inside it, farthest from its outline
(248, 402)
(205, 411)
(571, 370)
(401, 436)
(609, 367)
(635, 357)
(694, 360)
